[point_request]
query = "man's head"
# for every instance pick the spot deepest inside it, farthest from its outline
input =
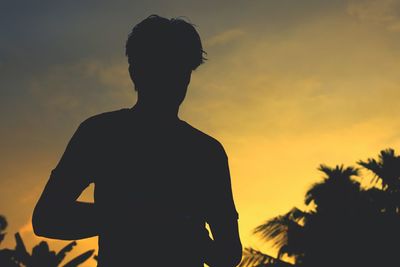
(162, 53)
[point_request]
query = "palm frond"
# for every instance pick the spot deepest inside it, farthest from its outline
(386, 169)
(314, 191)
(336, 179)
(62, 253)
(20, 250)
(339, 172)
(253, 258)
(276, 229)
(80, 259)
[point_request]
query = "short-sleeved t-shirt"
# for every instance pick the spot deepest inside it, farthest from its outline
(156, 185)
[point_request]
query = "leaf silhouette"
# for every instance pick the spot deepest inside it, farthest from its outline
(62, 253)
(80, 259)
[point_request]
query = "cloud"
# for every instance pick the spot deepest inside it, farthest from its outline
(384, 12)
(224, 37)
(82, 87)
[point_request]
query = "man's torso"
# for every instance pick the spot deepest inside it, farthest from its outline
(150, 185)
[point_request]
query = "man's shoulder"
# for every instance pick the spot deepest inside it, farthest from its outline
(105, 119)
(204, 139)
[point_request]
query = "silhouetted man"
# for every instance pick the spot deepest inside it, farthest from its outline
(157, 179)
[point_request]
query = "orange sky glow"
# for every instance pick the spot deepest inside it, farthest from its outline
(287, 86)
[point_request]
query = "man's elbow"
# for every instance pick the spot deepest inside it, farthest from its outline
(40, 221)
(232, 256)
(37, 222)
(238, 253)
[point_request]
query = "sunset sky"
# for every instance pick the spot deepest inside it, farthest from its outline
(288, 84)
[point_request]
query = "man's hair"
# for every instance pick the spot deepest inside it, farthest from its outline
(158, 41)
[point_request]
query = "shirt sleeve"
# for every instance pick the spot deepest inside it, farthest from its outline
(73, 172)
(221, 205)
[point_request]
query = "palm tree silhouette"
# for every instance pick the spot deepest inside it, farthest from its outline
(344, 224)
(325, 194)
(386, 171)
(303, 235)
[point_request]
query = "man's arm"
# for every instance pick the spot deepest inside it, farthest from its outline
(58, 214)
(226, 248)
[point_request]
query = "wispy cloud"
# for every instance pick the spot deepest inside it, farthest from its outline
(225, 37)
(82, 86)
(385, 12)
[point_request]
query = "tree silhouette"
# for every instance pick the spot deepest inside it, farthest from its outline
(344, 224)
(325, 194)
(3, 226)
(386, 171)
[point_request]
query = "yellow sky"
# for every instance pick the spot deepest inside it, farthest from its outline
(319, 84)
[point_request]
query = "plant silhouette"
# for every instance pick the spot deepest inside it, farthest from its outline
(345, 224)
(41, 255)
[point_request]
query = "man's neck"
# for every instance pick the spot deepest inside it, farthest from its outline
(154, 111)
